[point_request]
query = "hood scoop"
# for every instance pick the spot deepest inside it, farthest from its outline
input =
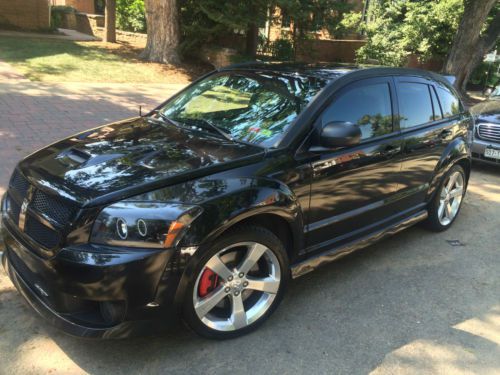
(78, 158)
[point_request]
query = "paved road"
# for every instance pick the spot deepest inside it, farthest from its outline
(410, 304)
(33, 115)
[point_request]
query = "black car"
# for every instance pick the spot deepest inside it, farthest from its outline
(486, 136)
(206, 206)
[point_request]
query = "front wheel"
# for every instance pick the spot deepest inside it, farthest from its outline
(237, 285)
(446, 204)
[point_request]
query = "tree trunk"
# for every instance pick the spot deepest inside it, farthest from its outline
(469, 46)
(252, 40)
(110, 21)
(162, 17)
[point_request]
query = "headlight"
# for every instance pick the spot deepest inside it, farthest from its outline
(143, 224)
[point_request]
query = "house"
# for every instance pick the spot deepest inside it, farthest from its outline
(281, 25)
(84, 6)
(25, 14)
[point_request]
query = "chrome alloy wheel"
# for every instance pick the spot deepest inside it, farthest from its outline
(450, 199)
(246, 279)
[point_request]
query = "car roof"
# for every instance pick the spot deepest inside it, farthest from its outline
(330, 72)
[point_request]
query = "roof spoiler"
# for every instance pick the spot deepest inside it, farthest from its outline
(451, 79)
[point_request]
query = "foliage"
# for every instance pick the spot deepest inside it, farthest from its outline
(131, 15)
(486, 74)
(313, 15)
(56, 14)
(205, 21)
(398, 28)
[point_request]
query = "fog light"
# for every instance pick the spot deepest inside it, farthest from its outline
(112, 312)
(142, 228)
(122, 228)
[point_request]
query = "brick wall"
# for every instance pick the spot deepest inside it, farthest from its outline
(84, 6)
(25, 14)
(329, 50)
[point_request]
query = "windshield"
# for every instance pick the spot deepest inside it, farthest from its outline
(251, 107)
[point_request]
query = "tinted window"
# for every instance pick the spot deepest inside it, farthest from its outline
(449, 102)
(254, 107)
(435, 104)
(415, 106)
(368, 106)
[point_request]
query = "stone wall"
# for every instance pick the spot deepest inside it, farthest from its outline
(25, 14)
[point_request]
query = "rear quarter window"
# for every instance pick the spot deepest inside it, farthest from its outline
(450, 104)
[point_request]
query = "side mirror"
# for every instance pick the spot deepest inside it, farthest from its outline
(340, 134)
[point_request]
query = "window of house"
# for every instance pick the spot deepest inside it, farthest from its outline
(286, 20)
(368, 106)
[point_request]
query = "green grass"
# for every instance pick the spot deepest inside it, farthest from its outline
(52, 60)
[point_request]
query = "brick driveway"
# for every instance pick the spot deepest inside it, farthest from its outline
(33, 115)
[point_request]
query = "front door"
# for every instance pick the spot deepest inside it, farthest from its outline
(352, 187)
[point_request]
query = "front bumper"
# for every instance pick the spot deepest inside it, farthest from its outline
(72, 289)
(477, 148)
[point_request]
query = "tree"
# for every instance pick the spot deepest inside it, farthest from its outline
(162, 18)
(473, 40)
(396, 29)
(110, 21)
(205, 21)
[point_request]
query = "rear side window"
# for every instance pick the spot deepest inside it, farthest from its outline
(368, 106)
(449, 102)
(415, 105)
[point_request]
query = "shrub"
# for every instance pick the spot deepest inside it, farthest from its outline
(131, 15)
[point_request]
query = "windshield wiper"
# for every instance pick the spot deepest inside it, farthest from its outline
(166, 118)
(205, 124)
(201, 123)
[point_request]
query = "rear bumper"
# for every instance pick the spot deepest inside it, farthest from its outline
(72, 289)
(477, 148)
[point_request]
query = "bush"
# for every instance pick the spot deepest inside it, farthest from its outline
(131, 15)
(56, 14)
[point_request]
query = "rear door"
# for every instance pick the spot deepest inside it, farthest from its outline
(352, 186)
(428, 114)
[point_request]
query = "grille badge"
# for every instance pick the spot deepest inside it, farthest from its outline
(24, 208)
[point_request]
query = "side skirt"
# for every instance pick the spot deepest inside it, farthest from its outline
(316, 261)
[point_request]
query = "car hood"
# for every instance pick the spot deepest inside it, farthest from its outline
(122, 159)
(488, 110)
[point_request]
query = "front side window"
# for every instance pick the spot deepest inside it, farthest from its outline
(251, 107)
(449, 102)
(415, 106)
(368, 106)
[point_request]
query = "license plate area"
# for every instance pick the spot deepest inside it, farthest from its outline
(492, 153)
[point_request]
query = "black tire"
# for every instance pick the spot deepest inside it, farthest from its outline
(248, 233)
(433, 222)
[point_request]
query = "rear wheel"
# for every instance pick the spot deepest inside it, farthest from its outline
(446, 204)
(237, 285)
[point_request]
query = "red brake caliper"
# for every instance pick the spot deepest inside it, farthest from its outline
(208, 282)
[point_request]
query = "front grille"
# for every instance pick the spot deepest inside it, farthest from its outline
(489, 132)
(59, 212)
(19, 184)
(42, 234)
(53, 207)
